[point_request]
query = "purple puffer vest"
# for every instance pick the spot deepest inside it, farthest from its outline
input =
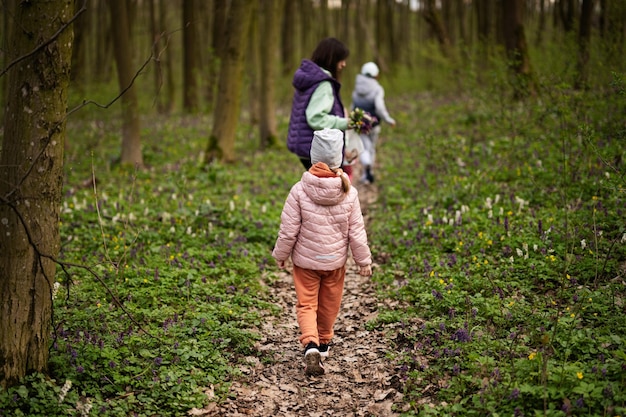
(305, 81)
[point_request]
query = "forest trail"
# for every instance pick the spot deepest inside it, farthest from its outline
(359, 380)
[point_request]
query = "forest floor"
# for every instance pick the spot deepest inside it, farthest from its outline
(360, 379)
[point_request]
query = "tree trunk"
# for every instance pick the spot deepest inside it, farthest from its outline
(541, 27)
(31, 168)
(584, 40)
(218, 47)
(433, 17)
(190, 54)
(517, 49)
(222, 140)
(79, 48)
(270, 18)
(167, 57)
(288, 50)
(103, 59)
(131, 139)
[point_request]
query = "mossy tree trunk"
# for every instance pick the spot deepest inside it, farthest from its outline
(270, 22)
(31, 173)
(517, 48)
(190, 56)
(222, 140)
(131, 137)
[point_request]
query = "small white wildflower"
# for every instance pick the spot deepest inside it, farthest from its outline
(465, 209)
(116, 218)
(425, 211)
(583, 244)
(430, 218)
(247, 205)
(65, 389)
(511, 259)
(231, 204)
(497, 199)
(55, 289)
(457, 216)
(525, 246)
(490, 214)
(166, 217)
(519, 252)
(146, 211)
(451, 222)
(624, 238)
(190, 197)
(535, 247)
(132, 217)
(600, 233)
(488, 203)
(445, 219)
(263, 208)
(606, 174)
(188, 231)
(174, 197)
(501, 211)
(172, 229)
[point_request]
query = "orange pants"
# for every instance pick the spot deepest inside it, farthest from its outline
(319, 298)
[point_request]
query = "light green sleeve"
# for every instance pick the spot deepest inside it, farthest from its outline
(318, 111)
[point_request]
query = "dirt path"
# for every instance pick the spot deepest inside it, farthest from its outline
(359, 380)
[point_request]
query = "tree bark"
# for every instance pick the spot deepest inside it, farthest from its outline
(270, 18)
(190, 54)
(222, 140)
(433, 17)
(584, 41)
(517, 49)
(289, 36)
(31, 168)
(104, 58)
(131, 139)
(218, 47)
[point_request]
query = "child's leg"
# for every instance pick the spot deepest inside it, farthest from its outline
(307, 283)
(330, 294)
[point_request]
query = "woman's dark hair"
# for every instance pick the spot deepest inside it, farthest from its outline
(328, 53)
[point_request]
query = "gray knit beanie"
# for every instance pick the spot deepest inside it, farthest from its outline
(327, 147)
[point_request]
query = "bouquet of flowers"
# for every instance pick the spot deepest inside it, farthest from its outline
(361, 121)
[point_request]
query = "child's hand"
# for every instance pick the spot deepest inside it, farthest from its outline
(281, 264)
(365, 271)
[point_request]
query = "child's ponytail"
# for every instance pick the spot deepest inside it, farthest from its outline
(345, 181)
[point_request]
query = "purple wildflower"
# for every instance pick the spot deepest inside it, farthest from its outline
(580, 402)
(158, 361)
(514, 394)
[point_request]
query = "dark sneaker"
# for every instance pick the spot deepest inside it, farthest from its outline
(313, 360)
(369, 176)
(324, 349)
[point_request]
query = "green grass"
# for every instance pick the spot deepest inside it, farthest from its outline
(504, 237)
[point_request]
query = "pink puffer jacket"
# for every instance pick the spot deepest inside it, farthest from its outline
(318, 223)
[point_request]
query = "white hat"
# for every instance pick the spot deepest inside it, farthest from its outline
(327, 147)
(371, 69)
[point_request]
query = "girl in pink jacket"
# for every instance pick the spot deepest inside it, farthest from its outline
(321, 219)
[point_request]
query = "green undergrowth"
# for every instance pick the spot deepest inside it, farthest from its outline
(500, 228)
(163, 286)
